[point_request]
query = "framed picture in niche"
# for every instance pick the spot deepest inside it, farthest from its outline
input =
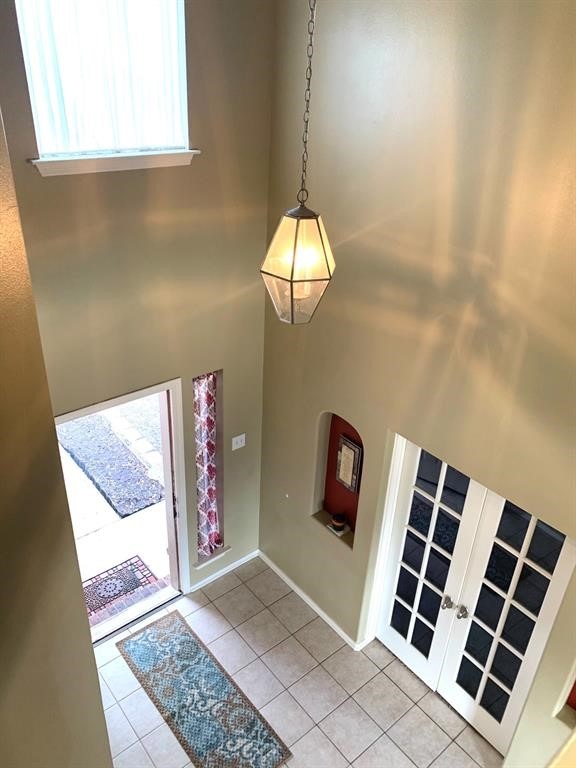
(348, 463)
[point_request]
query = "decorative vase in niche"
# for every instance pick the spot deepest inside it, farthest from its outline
(338, 522)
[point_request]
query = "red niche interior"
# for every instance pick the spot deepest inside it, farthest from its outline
(572, 698)
(337, 498)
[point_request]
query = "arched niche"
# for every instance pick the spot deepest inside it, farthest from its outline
(338, 471)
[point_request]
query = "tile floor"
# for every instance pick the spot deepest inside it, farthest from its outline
(333, 706)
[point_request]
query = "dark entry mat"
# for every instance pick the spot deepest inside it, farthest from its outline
(115, 471)
(120, 580)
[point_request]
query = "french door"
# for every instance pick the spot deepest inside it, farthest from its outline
(475, 585)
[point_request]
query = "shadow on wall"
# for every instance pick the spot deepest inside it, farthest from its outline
(460, 270)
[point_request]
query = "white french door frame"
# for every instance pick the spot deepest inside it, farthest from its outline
(455, 631)
(500, 734)
(428, 669)
(171, 422)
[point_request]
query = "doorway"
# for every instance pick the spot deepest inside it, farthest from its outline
(473, 586)
(120, 466)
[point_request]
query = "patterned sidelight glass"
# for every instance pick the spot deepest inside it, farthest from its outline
(207, 465)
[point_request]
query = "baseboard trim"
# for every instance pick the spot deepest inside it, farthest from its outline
(223, 571)
(300, 592)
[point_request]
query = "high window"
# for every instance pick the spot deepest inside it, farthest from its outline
(107, 79)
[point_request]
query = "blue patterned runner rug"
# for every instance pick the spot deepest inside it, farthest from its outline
(217, 726)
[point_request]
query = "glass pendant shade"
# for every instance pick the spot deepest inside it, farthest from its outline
(298, 266)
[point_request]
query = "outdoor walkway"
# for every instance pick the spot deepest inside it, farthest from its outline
(105, 541)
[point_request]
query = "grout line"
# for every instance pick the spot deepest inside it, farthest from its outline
(286, 689)
(272, 646)
(145, 750)
(462, 748)
(119, 701)
(435, 721)
(263, 660)
(349, 762)
(394, 741)
(348, 695)
(351, 698)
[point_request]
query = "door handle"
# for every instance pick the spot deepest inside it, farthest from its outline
(447, 603)
(462, 612)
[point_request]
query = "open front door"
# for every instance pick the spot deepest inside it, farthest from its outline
(169, 486)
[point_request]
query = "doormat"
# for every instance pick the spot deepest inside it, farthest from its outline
(120, 580)
(116, 472)
(217, 726)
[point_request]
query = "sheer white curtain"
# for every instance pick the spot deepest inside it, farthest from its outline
(105, 75)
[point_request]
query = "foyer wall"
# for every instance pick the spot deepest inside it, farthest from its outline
(146, 276)
(442, 155)
(441, 152)
(45, 721)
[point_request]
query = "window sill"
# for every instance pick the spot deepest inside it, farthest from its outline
(66, 166)
(209, 560)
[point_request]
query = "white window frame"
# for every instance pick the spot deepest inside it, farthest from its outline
(67, 166)
(81, 162)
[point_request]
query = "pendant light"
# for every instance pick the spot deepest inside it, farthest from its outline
(299, 263)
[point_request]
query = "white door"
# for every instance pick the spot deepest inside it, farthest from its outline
(437, 516)
(516, 578)
(476, 585)
(168, 461)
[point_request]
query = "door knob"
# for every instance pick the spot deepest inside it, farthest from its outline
(447, 603)
(462, 612)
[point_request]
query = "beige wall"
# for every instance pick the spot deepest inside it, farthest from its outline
(441, 151)
(145, 276)
(50, 710)
(441, 159)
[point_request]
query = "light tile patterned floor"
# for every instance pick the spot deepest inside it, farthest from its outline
(333, 706)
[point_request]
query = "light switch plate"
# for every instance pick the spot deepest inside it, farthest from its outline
(239, 441)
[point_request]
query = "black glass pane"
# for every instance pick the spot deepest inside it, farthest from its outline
(407, 584)
(513, 525)
(494, 700)
(420, 514)
(455, 489)
(531, 589)
(413, 551)
(429, 604)
(422, 637)
(478, 643)
(545, 546)
(500, 568)
(518, 629)
(469, 677)
(437, 569)
(505, 666)
(489, 607)
(400, 618)
(428, 473)
(445, 531)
